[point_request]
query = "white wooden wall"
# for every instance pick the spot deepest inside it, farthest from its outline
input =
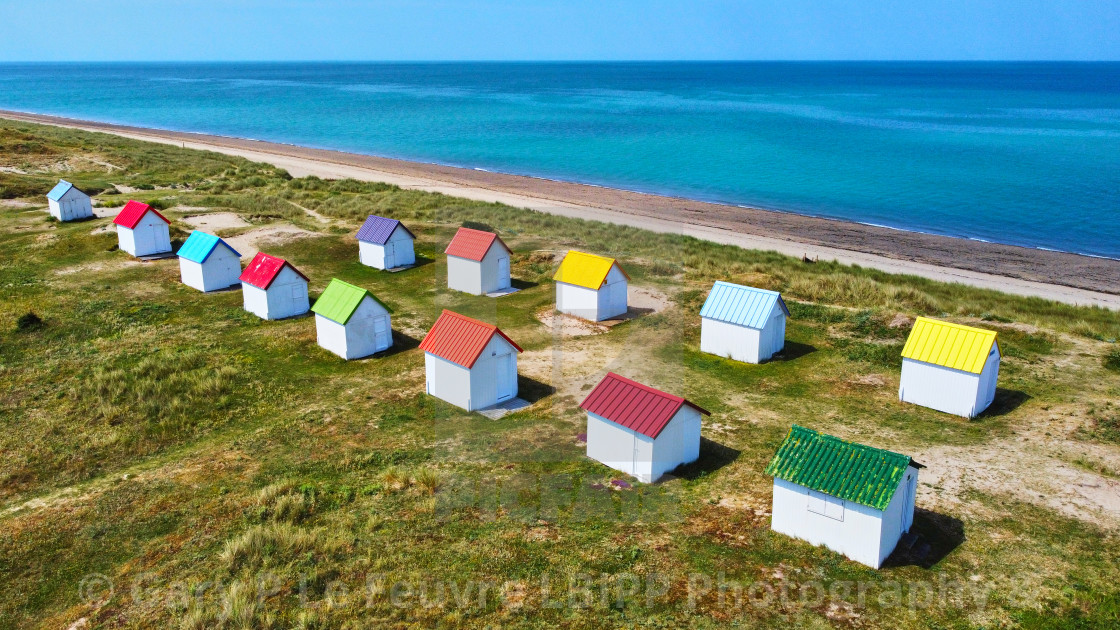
(369, 331)
(285, 297)
(608, 301)
(220, 271)
(856, 533)
(447, 381)
(72, 206)
(741, 343)
(678, 443)
(150, 236)
(952, 391)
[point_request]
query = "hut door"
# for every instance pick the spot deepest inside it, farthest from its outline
(506, 376)
(390, 255)
(381, 333)
(503, 273)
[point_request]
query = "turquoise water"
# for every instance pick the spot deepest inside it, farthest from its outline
(1027, 154)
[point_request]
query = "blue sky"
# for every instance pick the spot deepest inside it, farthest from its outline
(57, 30)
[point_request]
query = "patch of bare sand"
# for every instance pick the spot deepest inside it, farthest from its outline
(1024, 470)
(249, 243)
(17, 203)
(564, 325)
(107, 212)
(216, 221)
(108, 228)
(97, 266)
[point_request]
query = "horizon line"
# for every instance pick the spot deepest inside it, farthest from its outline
(556, 61)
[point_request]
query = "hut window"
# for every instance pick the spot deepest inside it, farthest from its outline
(825, 505)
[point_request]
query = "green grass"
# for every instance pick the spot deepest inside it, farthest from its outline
(154, 433)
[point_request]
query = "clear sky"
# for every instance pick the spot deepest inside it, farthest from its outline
(96, 30)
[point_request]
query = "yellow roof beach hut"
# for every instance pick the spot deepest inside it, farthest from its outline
(592, 287)
(949, 367)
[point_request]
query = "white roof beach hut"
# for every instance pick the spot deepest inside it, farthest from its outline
(743, 323)
(273, 289)
(592, 287)
(385, 244)
(949, 367)
(468, 363)
(208, 263)
(477, 262)
(142, 230)
(639, 430)
(351, 322)
(67, 203)
(854, 499)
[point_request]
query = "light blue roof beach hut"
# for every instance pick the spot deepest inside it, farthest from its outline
(67, 203)
(743, 323)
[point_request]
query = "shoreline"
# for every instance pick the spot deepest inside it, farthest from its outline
(1061, 276)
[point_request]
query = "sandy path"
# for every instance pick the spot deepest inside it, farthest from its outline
(1039, 273)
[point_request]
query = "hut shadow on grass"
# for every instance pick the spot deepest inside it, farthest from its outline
(531, 390)
(1006, 401)
(713, 456)
(421, 261)
(792, 351)
(521, 285)
(932, 537)
(401, 343)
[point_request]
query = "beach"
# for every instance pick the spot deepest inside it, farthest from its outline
(1059, 276)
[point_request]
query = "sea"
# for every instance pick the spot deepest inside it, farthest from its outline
(1019, 153)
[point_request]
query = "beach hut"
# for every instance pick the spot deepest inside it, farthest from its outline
(639, 430)
(351, 322)
(477, 262)
(208, 263)
(592, 287)
(67, 203)
(468, 363)
(743, 323)
(385, 243)
(142, 230)
(273, 289)
(854, 499)
(949, 367)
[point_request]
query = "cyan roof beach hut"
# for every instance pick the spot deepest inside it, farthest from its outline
(592, 287)
(208, 263)
(142, 230)
(385, 243)
(351, 322)
(67, 203)
(854, 499)
(743, 323)
(273, 289)
(950, 367)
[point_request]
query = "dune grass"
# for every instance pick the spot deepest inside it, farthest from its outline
(166, 438)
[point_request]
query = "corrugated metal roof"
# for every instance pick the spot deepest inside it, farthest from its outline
(460, 339)
(744, 306)
(377, 230)
(472, 244)
(340, 299)
(60, 189)
(846, 470)
(635, 406)
(585, 270)
(199, 246)
(949, 345)
(133, 211)
(263, 269)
